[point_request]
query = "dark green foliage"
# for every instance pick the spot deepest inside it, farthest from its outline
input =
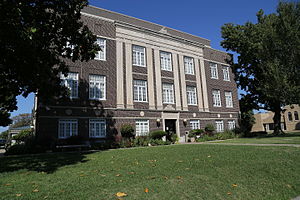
(157, 134)
(24, 148)
(156, 142)
(4, 135)
(191, 134)
(34, 50)
(127, 131)
(141, 141)
(174, 138)
(24, 135)
(269, 56)
(210, 128)
(197, 131)
(227, 134)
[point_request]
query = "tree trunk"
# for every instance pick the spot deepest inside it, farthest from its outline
(277, 121)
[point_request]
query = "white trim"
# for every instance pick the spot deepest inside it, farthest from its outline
(143, 125)
(228, 99)
(140, 86)
(100, 121)
(97, 56)
(213, 61)
(140, 56)
(99, 88)
(96, 16)
(216, 98)
(169, 95)
(65, 121)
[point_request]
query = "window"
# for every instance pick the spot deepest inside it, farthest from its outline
(97, 128)
(296, 116)
(231, 124)
(189, 65)
(138, 55)
(290, 116)
(191, 95)
(141, 127)
(216, 98)
(219, 126)
(228, 99)
(213, 70)
(67, 128)
(165, 61)
(226, 76)
(140, 90)
(101, 55)
(195, 124)
(168, 93)
(97, 87)
(71, 82)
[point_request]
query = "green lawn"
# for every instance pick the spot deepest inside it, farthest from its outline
(169, 172)
(289, 138)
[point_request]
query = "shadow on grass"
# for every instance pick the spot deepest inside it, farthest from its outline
(47, 163)
(295, 134)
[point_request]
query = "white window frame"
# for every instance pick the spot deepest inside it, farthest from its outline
(101, 55)
(72, 131)
(140, 91)
(219, 126)
(231, 124)
(138, 57)
(189, 65)
(71, 82)
(141, 127)
(228, 99)
(97, 86)
(195, 124)
(168, 93)
(191, 93)
(216, 98)
(93, 132)
(166, 61)
(213, 70)
(226, 75)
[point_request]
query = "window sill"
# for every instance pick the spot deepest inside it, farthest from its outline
(97, 137)
(140, 101)
(139, 65)
(99, 59)
(214, 78)
(97, 99)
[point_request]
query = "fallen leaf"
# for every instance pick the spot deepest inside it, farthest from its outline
(187, 168)
(45, 197)
(18, 195)
(229, 193)
(289, 186)
(102, 175)
(180, 161)
(36, 190)
(165, 177)
(234, 185)
(131, 173)
(121, 194)
(146, 190)
(7, 184)
(208, 156)
(178, 177)
(82, 175)
(118, 175)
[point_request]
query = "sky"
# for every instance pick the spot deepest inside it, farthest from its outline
(198, 17)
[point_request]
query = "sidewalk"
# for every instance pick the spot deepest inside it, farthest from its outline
(246, 144)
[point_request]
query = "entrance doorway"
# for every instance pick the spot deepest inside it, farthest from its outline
(170, 127)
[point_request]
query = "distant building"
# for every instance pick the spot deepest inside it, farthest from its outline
(289, 120)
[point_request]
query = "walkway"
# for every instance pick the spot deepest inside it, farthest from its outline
(246, 144)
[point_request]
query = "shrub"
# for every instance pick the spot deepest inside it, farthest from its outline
(127, 131)
(23, 135)
(191, 135)
(174, 138)
(141, 141)
(157, 134)
(206, 138)
(30, 146)
(156, 142)
(197, 131)
(227, 134)
(210, 128)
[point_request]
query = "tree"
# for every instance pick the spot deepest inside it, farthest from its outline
(4, 135)
(247, 119)
(269, 56)
(36, 40)
(21, 120)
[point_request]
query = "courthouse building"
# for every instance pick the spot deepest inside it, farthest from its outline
(147, 75)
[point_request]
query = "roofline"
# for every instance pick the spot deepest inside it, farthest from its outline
(149, 22)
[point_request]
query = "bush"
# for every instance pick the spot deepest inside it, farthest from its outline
(23, 136)
(30, 146)
(197, 131)
(206, 138)
(227, 134)
(141, 141)
(157, 134)
(156, 142)
(191, 135)
(210, 128)
(127, 131)
(174, 138)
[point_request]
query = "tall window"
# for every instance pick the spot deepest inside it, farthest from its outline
(140, 90)
(141, 127)
(213, 70)
(228, 98)
(97, 87)
(226, 76)
(168, 93)
(191, 95)
(195, 124)
(189, 65)
(101, 55)
(231, 124)
(296, 116)
(216, 98)
(165, 61)
(219, 126)
(71, 82)
(138, 56)
(97, 128)
(67, 128)
(290, 116)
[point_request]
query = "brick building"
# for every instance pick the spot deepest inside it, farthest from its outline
(148, 75)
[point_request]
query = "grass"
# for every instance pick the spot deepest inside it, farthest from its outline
(288, 138)
(169, 172)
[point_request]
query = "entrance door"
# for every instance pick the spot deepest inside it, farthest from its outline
(170, 127)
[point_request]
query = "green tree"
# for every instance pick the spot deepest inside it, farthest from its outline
(4, 135)
(247, 118)
(268, 58)
(36, 40)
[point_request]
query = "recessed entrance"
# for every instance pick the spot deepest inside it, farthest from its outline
(170, 127)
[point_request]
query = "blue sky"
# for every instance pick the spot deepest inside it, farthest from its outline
(198, 17)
